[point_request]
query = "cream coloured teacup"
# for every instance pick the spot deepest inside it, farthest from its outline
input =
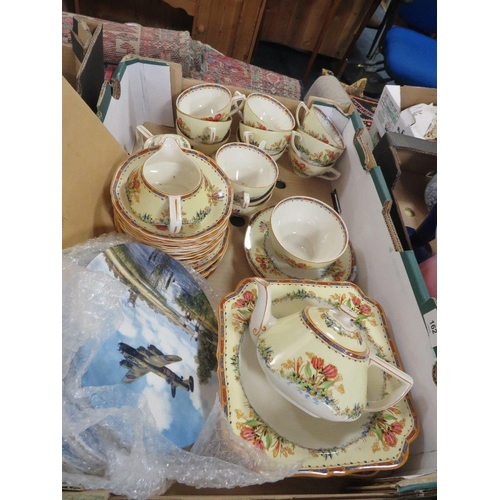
(169, 189)
(253, 173)
(318, 360)
(302, 168)
(265, 112)
(271, 141)
(209, 101)
(252, 208)
(208, 149)
(307, 233)
(313, 150)
(316, 123)
(205, 131)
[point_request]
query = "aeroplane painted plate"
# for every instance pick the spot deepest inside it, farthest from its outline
(168, 321)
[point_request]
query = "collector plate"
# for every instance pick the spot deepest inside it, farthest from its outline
(263, 417)
(264, 264)
(167, 321)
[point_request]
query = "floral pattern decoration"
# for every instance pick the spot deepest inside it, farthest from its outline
(321, 158)
(320, 137)
(263, 437)
(386, 426)
(315, 378)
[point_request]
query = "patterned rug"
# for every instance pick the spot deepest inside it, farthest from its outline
(198, 60)
(366, 108)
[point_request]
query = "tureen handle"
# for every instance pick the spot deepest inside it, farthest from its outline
(396, 395)
(261, 318)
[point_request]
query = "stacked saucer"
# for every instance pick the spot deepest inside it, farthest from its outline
(203, 237)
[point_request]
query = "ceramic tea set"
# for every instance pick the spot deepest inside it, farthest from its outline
(204, 115)
(300, 238)
(183, 187)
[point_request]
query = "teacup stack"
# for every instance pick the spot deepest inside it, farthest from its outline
(253, 174)
(316, 145)
(204, 115)
(266, 123)
(177, 200)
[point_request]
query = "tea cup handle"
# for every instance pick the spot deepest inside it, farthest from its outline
(175, 212)
(301, 105)
(238, 100)
(246, 200)
(396, 395)
(248, 136)
(292, 142)
(331, 175)
(211, 132)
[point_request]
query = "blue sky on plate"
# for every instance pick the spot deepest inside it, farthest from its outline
(181, 418)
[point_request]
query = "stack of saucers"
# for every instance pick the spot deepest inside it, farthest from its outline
(199, 238)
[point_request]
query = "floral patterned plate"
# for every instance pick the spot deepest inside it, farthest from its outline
(282, 431)
(265, 264)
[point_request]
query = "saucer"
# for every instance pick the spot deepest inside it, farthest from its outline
(266, 264)
(257, 413)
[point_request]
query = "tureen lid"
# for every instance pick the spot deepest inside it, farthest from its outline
(336, 328)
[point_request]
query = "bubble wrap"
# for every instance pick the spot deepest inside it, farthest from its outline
(109, 436)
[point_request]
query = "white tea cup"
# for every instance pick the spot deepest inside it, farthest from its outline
(253, 173)
(307, 233)
(209, 101)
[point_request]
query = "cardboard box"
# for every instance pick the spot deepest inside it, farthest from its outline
(407, 164)
(382, 273)
(393, 101)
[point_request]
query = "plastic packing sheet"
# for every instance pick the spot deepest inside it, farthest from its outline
(110, 439)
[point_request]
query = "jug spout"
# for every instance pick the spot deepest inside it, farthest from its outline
(262, 318)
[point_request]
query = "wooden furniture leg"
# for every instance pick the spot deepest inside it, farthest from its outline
(329, 16)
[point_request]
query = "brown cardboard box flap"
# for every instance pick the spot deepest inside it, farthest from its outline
(90, 156)
(410, 96)
(88, 47)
